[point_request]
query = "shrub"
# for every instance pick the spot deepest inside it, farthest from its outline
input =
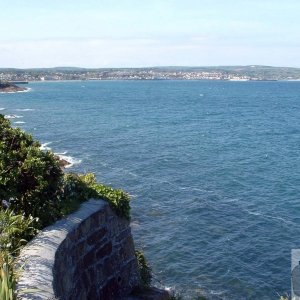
(15, 231)
(37, 193)
(7, 278)
(30, 179)
(144, 269)
(76, 189)
(79, 188)
(118, 199)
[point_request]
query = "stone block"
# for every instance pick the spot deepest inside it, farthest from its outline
(123, 234)
(127, 249)
(104, 251)
(93, 293)
(80, 249)
(88, 259)
(84, 228)
(96, 236)
(84, 279)
(111, 290)
(108, 268)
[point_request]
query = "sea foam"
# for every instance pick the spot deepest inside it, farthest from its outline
(45, 147)
(12, 117)
(24, 109)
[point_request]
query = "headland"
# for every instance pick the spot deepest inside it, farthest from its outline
(6, 87)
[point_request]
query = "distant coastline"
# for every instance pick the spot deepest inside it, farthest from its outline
(228, 73)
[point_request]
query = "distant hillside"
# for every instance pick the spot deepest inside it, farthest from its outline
(252, 72)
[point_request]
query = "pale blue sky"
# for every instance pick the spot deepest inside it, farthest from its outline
(132, 33)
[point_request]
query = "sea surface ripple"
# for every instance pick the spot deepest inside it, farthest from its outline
(213, 169)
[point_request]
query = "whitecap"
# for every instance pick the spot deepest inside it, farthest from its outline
(61, 153)
(253, 213)
(268, 216)
(132, 174)
(45, 147)
(2, 108)
(24, 109)
(19, 122)
(12, 117)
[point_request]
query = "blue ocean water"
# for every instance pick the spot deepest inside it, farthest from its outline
(213, 169)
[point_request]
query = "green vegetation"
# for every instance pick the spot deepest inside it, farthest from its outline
(144, 269)
(30, 179)
(80, 187)
(35, 192)
(33, 184)
(286, 297)
(15, 231)
(7, 279)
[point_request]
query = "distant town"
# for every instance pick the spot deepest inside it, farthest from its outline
(231, 73)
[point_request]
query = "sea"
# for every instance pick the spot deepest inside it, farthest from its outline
(212, 167)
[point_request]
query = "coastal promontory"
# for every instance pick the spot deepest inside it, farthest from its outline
(6, 87)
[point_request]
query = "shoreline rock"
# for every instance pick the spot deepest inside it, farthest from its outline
(62, 162)
(10, 88)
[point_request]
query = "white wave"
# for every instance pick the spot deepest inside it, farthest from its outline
(24, 109)
(12, 117)
(2, 108)
(45, 147)
(268, 216)
(19, 122)
(132, 174)
(61, 153)
(73, 161)
(253, 213)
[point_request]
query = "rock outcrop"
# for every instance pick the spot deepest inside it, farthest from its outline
(10, 88)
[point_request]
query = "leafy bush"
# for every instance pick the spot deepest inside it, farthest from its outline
(144, 269)
(79, 188)
(7, 278)
(75, 191)
(37, 193)
(30, 179)
(118, 199)
(15, 231)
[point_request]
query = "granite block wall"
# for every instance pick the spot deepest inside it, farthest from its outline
(88, 255)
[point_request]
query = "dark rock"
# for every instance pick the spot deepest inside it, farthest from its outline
(10, 88)
(62, 162)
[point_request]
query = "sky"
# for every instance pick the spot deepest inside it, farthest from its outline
(141, 33)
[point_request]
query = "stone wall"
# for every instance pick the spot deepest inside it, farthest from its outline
(88, 255)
